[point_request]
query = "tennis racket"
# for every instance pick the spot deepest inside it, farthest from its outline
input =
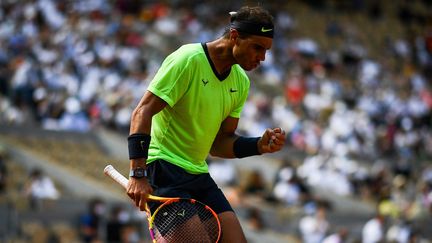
(177, 219)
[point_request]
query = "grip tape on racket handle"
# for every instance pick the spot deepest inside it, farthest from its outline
(123, 181)
(116, 176)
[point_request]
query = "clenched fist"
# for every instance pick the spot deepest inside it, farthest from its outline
(272, 140)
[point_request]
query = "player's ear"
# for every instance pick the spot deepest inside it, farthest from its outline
(234, 34)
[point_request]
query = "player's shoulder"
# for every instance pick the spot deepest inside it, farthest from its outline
(189, 50)
(187, 54)
(192, 47)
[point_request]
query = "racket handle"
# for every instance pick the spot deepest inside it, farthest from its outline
(123, 181)
(116, 176)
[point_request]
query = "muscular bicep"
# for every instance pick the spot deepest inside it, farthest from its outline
(148, 106)
(228, 126)
(223, 144)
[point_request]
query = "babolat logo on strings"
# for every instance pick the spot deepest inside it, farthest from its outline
(181, 213)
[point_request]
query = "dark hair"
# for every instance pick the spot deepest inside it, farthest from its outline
(256, 15)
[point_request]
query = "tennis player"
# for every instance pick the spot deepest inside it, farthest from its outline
(192, 108)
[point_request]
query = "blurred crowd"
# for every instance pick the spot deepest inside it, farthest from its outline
(361, 119)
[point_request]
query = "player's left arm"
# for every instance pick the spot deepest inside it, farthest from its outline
(223, 143)
(223, 146)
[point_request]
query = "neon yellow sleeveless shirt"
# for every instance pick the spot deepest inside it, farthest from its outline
(198, 100)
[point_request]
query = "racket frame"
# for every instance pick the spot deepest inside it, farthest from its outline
(111, 172)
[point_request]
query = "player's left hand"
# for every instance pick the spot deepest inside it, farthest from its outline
(272, 140)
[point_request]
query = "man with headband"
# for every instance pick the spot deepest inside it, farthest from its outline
(191, 109)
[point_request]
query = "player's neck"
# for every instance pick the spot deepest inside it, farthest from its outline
(221, 55)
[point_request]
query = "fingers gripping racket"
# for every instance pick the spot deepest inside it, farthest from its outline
(177, 219)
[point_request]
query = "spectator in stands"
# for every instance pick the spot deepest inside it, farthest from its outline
(340, 236)
(116, 224)
(255, 184)
(131, 233)
(373, 230)
(39, 189)
(223, 172)
(255, 219)
(399, 231)
(3, 172)
(289, 188)
(425, 195)
(315, 226)
(92, 222)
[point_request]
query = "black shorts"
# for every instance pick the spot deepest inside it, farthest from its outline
(169, 180)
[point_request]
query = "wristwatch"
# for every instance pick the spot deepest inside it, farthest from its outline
(138, 173)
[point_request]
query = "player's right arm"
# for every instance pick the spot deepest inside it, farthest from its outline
(141, 119)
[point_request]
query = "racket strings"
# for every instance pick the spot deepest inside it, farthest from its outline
(185, 221)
